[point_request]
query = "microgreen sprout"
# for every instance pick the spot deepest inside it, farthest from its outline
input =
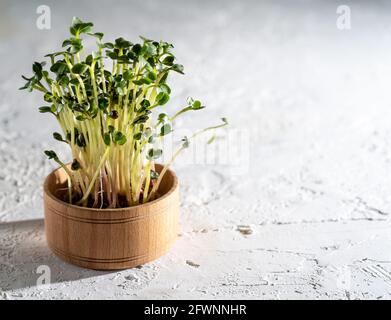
(111, 119)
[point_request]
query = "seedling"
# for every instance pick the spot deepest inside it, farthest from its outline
(111, 120)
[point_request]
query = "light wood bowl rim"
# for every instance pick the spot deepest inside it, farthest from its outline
(114, 210)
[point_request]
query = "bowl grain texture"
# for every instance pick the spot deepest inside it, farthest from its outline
(110, 239)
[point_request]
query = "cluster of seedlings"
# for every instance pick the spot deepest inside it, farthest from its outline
(112, 120)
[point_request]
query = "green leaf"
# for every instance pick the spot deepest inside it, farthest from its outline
(121, 43)
(128, 74)
(48, 97)
(45, 109)
(143, 80)
(164, 88)
(103, 103)
(151, 75)
(107, 138)
(140, 119)
(154, 154)
(162, 98)
(169, 60)
(80, 117)
(75, 45)
(145, 39)
(74, 81)
(165, 129)
(177, 68)
(79, 26)
(136, 49)
(51, 154)
(112, 55)
(123, 59)
(79, 68)
(57, 136)
(151, 139)
(161, 117)
(148, 49)
(89, 59)
(37, 69)
(144, 105)
(63, 81)
(137, 136)
(119, 138)
(59, 67)
(108, 45)
(98, 35)
(55, 54)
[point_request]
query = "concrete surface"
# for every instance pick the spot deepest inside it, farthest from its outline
(308, 213)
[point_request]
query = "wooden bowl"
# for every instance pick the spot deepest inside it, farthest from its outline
(109, 239)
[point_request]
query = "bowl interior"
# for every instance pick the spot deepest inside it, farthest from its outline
(56, 183)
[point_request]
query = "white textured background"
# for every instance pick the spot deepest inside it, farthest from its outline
(315, 103)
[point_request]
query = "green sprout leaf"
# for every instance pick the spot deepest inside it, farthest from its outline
(51, 154)
(119, 138)
(168, 60)
(79, 68)
(98, 35)
(164, 88)
(59, 67)
(58, 136)
(103, 103)
(162, 117)
(121, 43)
(79, 27)
(162, 98)
(177, 68)
(45, 109)
(107, 138)
(109, 104)
(37, 69)
(137, 136)
(165, 129)
(140, 119)
(74, 45)
(154, 154)
(128, 75)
